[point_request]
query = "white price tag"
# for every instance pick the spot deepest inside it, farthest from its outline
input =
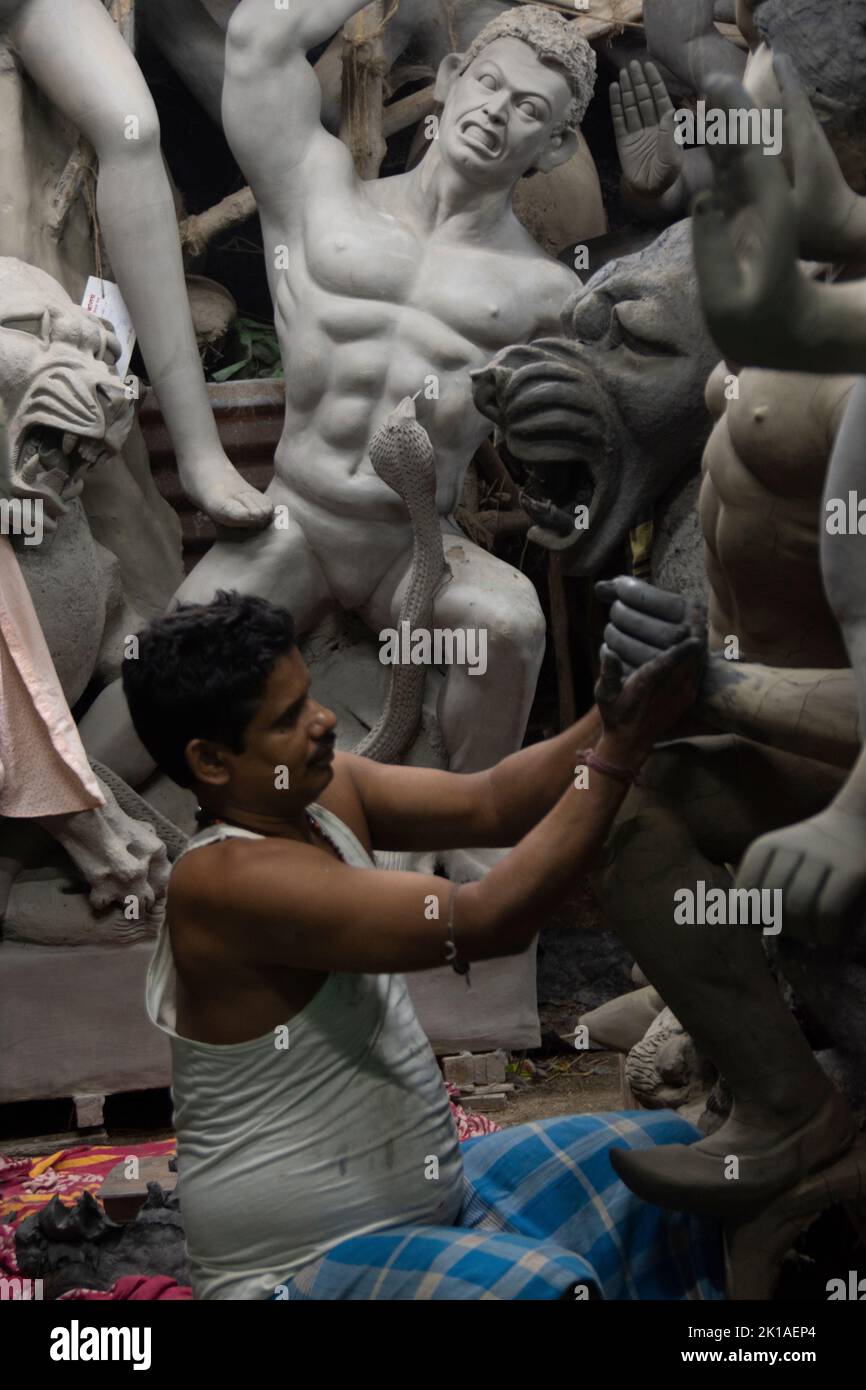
(103, 298)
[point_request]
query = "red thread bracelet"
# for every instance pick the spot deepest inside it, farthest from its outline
(620, 774)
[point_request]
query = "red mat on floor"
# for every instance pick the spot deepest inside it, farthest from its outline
(26, 1184)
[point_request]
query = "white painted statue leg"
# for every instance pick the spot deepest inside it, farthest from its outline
(77, 57)
(483, 717)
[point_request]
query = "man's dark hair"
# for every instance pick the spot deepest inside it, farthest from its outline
(200, 672)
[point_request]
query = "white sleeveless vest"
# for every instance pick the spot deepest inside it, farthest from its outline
(283, 1152)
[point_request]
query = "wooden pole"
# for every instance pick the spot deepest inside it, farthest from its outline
(200, 228)
(364, 70)
(561, 643)
(123, 14)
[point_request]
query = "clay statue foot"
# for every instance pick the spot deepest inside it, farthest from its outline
(218, 488)
(704, 1178)
(621, 1023)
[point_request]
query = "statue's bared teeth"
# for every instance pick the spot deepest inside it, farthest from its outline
(30, 471)
(69, 442)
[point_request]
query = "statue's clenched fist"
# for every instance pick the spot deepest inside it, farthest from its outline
(645, 621)
(820, 867)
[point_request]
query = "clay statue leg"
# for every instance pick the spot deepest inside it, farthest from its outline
(195, 45)
(482, 718)
(276, 564)
(703, 802)
(76, 55)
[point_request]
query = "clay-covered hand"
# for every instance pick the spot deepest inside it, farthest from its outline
(639, 709)
(690, 18)
(831, 218)
(758, 303)
(682, 35)
(820, 867)
(645, 621)
(120, 858)
(643, 123)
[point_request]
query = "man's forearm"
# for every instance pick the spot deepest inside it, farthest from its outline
(813, 713)
(527, 784)
(500, 914)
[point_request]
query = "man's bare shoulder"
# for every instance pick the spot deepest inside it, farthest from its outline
(217, 876)
(222, 875)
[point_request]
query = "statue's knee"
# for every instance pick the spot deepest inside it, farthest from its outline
(646, 846)
(130, 134)
(516, 630)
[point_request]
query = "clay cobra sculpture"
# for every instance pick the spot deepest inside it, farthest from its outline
(402, 455)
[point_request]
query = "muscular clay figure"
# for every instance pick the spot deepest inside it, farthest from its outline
(793, 719)
(392, 288)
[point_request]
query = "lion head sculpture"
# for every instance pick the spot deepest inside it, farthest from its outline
(612, 413)
(66, 408)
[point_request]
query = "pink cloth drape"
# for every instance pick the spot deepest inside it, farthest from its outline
(43, 766)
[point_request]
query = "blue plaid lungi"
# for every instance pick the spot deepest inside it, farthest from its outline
(544, 1217)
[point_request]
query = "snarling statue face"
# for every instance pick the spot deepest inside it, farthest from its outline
(609, 416)
(65, 408)
(514, 100)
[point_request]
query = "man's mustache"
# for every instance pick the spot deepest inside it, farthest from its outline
(325, 745)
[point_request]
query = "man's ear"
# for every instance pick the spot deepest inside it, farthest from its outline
(449, 70)
(559, 150)
(206, 762)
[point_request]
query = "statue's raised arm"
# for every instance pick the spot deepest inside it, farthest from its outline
(272, 99)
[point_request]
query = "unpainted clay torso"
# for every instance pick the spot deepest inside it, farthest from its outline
(764, 469)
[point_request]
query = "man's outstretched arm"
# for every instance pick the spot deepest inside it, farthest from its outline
(278, 904)
(420, 808)
(272, 100)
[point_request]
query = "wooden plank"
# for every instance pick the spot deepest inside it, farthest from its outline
(601, 18)
(408, 110)
(123, 1196)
